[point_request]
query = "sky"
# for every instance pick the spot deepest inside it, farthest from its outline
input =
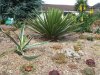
(70, 2)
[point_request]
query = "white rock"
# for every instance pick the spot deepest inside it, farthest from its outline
(71, 53)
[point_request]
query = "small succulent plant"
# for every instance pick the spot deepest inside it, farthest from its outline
(82, 36)
(90, 62)
(57, 46)
(54, 72)
(72, 66)
(77, 47)
(27, 68)
(88, 71)
(90, 38)
(59, 58)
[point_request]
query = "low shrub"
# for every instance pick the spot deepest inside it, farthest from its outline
(86, 22)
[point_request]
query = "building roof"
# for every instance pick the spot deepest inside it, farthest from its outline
(97, 6)
(61, 7)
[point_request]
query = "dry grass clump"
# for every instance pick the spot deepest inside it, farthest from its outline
(77, 47)
(59, 58)
(57, 46)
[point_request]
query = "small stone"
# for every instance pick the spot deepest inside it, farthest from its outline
(71, 53)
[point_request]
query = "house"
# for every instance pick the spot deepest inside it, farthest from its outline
(61, 7)
(97, 7)
(65, 8)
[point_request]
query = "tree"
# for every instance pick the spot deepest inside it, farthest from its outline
(19, 9)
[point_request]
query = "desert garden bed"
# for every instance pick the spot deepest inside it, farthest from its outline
(53, 56)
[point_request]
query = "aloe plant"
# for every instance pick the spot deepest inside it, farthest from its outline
(23, 43)
(53, 23)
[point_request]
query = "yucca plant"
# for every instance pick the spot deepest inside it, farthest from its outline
(53, 23)
(23, 43)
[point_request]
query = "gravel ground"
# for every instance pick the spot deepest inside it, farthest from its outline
(11, 62)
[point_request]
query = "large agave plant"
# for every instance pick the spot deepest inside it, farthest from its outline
(53, 23)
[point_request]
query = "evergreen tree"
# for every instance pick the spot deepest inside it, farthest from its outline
(19, 9)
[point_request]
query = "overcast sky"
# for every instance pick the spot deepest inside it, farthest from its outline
(70, 2)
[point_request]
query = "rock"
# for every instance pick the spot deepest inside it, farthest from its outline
(71, 53)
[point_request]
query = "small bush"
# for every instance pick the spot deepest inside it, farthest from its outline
(87, 21)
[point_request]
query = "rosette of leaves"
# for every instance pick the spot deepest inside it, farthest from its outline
(54, 72)
(53, 23)
(90, 38)
(88, 71)
(23, 42)
(90, 62)
(27, 68)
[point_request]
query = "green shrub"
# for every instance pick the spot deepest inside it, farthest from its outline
(53, 24)
(87, 22)
(19, 9)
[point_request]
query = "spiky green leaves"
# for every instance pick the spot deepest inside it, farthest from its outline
(53, 23)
